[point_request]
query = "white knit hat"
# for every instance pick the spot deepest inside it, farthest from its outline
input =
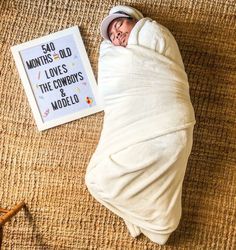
(116, 12)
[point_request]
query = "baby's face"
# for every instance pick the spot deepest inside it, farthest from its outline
(119, 30)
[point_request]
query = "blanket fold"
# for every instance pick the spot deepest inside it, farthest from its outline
(138, 166)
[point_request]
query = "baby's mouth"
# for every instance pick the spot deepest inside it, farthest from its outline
(123, 38)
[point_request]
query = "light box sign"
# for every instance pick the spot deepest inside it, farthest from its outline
(58, 78)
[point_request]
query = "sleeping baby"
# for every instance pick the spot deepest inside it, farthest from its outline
(138, 167)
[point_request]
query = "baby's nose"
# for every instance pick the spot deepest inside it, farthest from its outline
(118, 34)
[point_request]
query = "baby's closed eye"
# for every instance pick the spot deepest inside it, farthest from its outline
(118, 24)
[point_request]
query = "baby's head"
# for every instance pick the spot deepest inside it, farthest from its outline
(119, 30)
(117, 27)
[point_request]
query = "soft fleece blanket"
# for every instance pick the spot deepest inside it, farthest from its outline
(138, 167)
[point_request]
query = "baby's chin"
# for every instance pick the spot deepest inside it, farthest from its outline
(125, 41)
(124, 44)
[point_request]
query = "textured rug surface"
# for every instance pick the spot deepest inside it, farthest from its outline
(47, 169)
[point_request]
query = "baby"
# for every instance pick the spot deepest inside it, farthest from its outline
(118, 25)
(138, 167)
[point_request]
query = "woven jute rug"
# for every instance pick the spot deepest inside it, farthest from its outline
(47, 169)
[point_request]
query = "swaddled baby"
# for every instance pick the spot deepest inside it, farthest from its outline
(138, 167)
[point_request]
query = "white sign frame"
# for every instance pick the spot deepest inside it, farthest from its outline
(41, 124)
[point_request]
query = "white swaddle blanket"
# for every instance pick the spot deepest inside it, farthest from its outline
(138, 167)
